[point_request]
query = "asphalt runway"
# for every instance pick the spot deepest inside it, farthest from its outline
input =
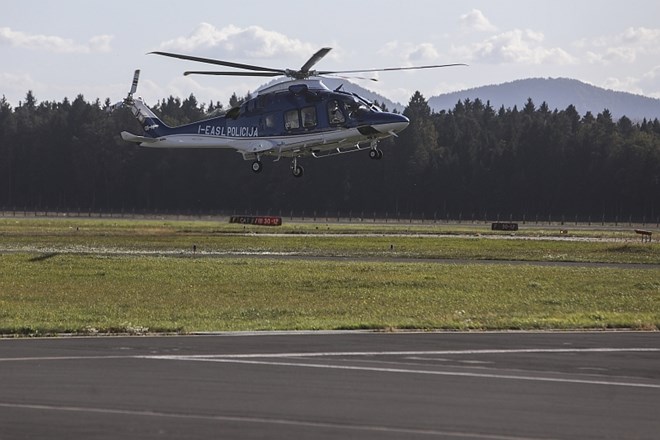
(329, 385)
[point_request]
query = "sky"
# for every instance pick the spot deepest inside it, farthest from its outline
(61, 49)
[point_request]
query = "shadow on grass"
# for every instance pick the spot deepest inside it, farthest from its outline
(43, 257)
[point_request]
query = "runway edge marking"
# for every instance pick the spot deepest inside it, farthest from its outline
(252, 359)
(263, 420)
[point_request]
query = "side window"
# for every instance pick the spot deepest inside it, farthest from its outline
(291, 121)
(308, 117)
(270, 121)
(335, 116)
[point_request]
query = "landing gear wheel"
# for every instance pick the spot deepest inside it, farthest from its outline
(375, 154)
(257, 166)
(297, 171)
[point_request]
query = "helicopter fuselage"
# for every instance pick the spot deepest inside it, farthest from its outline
(293, 119)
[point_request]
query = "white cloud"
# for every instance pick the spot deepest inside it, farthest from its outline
(100, 44)
(640, 36)
(409, 53)
(646, 84)
(625, 47)
(52, 43)
(627, 84)
(515, 46)
(475, 20)
(653, 74)
(612, 55)
(423, 52)
(252, 41)
(650, 82)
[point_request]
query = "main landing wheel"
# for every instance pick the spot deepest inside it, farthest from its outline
(375, 154)
(257, 166)
(297, 171)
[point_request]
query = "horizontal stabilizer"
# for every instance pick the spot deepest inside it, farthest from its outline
(130, 137)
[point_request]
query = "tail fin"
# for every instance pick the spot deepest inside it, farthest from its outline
(152, 125)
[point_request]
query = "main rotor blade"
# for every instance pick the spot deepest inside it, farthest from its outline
(206, 72)
(388, 69)
(219, 62)
(352, 77)
(315, 59)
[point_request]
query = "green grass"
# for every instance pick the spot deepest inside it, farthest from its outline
(438, 242)
(77, 293)
(55, 288)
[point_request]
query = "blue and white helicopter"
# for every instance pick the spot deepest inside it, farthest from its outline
(292, 119)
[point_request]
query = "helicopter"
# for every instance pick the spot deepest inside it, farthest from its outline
(300, 117)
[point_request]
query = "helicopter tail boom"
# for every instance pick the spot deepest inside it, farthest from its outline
(151, 124)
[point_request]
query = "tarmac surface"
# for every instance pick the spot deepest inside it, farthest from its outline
(328, 385)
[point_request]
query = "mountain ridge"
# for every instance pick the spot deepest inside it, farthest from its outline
(557, 93)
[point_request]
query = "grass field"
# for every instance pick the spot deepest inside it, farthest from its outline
(141, 276)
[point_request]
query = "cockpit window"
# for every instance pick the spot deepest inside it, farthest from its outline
(367, 104)
(335, 115)
(355, 105)
(352, 106)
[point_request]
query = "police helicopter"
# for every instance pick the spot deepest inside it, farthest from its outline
(297, 118)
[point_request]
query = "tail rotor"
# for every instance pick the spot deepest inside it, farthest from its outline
(129, 98)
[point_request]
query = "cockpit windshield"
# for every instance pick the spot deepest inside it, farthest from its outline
(355, 106)
(370, 105)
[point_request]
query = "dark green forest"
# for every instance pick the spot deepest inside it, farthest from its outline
(472, 162)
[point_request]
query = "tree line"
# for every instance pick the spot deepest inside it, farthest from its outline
(472, 161)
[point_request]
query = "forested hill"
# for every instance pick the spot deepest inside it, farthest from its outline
(558, 93)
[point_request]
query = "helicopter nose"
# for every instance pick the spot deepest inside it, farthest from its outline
(394, 123)
(383, 123)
